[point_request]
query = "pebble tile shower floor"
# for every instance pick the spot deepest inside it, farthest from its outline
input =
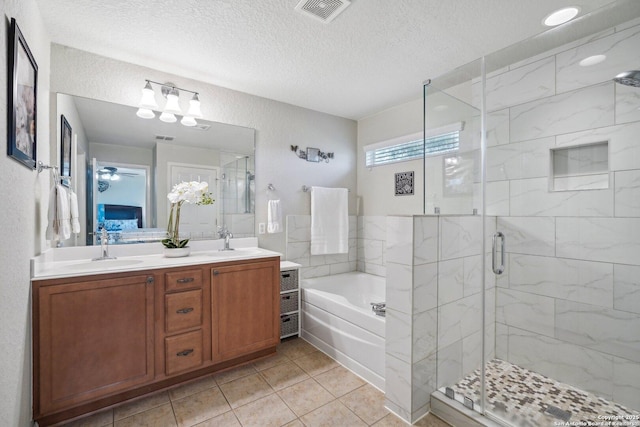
(522, 397)
(299, 386)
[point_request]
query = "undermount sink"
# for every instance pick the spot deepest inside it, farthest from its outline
(104, 264)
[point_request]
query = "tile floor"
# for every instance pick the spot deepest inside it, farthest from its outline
(300, 386)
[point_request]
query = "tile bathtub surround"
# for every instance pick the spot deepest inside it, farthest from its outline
(317, 393)
(298, 235)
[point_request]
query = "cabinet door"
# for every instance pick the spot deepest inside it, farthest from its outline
(95, 339)
(245, 308)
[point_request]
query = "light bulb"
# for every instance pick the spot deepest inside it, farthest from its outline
(172, 105)
(115, 177)
(188, 121)
(561, 16)
(145, 113)
(148, 100)
(194, 107)
(168, 117)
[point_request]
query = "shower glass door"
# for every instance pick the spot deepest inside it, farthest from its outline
(558, 176)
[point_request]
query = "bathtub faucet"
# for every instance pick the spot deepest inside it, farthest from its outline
(379, 308)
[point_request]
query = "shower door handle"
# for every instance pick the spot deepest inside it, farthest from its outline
(497, 269)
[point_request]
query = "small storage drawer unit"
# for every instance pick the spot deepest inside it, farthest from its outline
(289, 301)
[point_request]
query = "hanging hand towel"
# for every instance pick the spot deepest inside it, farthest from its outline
(59, 227)
(274, 217)
(329, 221)
(73, 209)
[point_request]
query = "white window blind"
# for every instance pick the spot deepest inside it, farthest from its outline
(409, 147)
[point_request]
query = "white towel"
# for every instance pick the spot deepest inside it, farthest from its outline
(59, 227)
(329, 221)
(73, 209)
(274, 217)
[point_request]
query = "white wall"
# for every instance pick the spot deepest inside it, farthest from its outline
(24, 196)
(278, 126)
(376, 186)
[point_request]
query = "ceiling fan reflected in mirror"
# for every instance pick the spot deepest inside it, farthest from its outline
(111, 173)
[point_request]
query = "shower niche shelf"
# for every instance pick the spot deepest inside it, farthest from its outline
(580, 167)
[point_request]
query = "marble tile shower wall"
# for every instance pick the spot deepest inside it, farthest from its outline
(298, 229)
(569, 305)
(371, 244)
(434, 317)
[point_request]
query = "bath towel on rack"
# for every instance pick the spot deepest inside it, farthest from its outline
(59, 227)
(274, 217)
(329, 221)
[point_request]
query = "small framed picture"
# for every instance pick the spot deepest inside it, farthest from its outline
(23, 91)
(404, 184)
(65, 148)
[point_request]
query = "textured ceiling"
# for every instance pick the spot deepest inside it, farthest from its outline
(375, 55)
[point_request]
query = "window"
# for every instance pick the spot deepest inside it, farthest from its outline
(409, 147)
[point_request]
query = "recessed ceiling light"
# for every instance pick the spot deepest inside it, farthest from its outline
(561, 16)
(592, 60)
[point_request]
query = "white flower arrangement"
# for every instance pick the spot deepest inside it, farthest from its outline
(193, 192)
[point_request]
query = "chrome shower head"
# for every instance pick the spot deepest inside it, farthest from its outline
(628, 78)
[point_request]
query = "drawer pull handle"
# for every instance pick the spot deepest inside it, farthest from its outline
(286, 297)
(216, 272)
(186, 280)
(286, 275)
(288, 319)
(184, 310)
(184, 352)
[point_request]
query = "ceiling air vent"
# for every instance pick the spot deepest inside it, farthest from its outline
(164, 138)
(200, 126)
(322, 10)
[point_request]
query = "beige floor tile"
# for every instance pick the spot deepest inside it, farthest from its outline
(270, 362)
(101, 419)
(228, 419)
(331, 415)
(199, 407)
(192, 387)
(294, 423)
(161, 416)
(306, 396)
(339, 381)
(246, 389)
(265, 412)
(294, 348)
(140, 405)
(281, 376)
(367, 402)
(429, 420)
(316, 363)
(234, 374)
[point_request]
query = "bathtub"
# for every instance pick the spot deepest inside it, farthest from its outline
(337, 318)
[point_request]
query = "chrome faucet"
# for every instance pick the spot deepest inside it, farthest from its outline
(379, 308)
(225, 234)
(104, 246)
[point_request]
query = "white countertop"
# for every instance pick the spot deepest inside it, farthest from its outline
(77, 261)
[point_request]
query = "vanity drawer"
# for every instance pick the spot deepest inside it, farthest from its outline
(186, 279)
(183, 352)
(183, 310)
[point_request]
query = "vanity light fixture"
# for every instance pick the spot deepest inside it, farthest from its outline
(172, 107)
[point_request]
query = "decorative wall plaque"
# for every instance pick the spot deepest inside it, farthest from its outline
(404, 184)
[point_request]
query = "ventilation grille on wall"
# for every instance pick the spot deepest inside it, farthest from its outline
(164, 138)
(322, 10)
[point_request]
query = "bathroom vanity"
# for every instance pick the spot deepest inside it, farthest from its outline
(101, 338)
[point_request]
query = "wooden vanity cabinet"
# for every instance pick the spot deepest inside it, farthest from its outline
(245, 308)
(104, 339)
(92, 338)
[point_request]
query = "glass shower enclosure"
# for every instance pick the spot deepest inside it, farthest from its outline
(538, 312)
(238, 196)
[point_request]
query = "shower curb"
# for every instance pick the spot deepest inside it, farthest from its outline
(456, 414)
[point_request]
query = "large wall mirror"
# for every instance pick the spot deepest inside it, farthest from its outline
(124, 166)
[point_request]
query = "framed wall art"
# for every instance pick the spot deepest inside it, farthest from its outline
(23, 91)
(404, 184)
(65, 148)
